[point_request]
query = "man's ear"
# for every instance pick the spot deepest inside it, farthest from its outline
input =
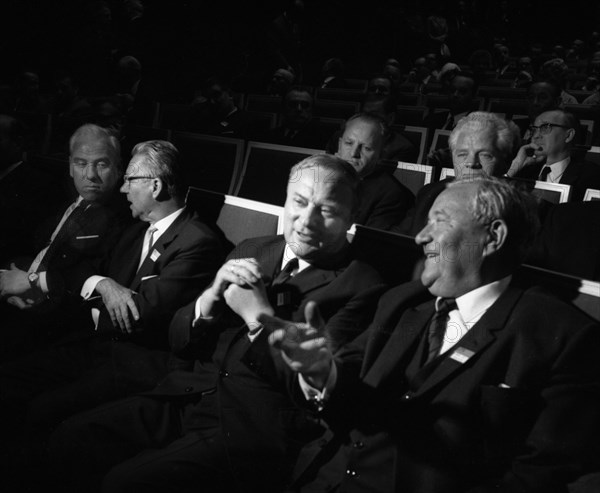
(497, 236)
(157, 188)
(570, 135)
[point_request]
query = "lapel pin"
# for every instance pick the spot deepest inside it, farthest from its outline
(461, 354)
(154, 255)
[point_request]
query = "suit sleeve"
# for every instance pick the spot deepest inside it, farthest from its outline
(189, 269)
(185, 339)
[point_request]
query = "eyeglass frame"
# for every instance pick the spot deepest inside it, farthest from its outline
(533, 128)
(128, 179)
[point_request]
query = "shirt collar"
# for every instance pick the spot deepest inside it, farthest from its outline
(288, 254)
(163, 224)
(558, 168)
(474, 304)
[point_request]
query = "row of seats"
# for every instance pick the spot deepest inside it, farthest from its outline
(241, 218)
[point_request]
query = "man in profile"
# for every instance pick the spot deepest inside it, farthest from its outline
(463, 381)
(549, 155)
(235, 428)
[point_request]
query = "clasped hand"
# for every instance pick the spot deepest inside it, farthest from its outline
(119, 303)
(238, 284)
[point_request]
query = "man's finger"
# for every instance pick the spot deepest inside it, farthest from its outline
(133, 308)
(313, 316)
(273, 323)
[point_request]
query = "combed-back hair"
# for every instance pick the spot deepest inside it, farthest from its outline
(370, 118)
(497, 198)
(164, 162)
(508, 136)
(326, 167)
(95, 132)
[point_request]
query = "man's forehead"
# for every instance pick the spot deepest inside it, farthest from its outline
(92, 146)
(319, 185)
(136, 164)
(482, 136)
(550, 117)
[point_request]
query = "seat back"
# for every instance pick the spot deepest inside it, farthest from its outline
(211, 162)
(413, 176)
(238, 218)
(266, 170)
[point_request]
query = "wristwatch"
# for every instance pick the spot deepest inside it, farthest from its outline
(33, 279)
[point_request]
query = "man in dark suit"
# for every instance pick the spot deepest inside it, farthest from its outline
(236, 429)
(486, 387)
(481, 144)
(298, 126)
(121, 346)
(40, 293)
(384, 201)
(548, 157)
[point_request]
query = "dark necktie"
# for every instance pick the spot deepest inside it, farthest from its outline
(286, 273)
(544, 173)
(66, 231)
(437, 328)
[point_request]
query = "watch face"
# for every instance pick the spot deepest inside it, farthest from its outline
(33, 277)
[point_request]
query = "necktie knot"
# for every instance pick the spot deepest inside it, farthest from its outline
(437, 328)
(445, 306)
(287, 272)
(544, 173)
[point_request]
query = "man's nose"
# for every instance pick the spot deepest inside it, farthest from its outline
(356, 151)
(91, 173)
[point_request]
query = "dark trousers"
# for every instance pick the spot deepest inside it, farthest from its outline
(139, 445)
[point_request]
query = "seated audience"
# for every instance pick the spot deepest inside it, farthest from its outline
(280, 82)
(549, 155)
(332, 74)
(42, 291)
(226, 422)
(298, 126)
(384, 201)
(483, 144)
(463, 381)
(120, 345)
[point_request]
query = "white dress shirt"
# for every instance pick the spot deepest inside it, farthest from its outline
(89, 286)
(557, 169)
(471, 307)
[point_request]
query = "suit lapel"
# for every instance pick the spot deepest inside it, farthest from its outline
(571, 174)
(397, 351)
(159, 247)
(469, 348)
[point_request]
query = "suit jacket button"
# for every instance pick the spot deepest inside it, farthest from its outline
(358, 444)
(223, 373)
(407, 397)
(352, 473)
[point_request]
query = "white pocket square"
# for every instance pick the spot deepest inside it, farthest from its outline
(504, 386)
(145, 278)
(87, 237)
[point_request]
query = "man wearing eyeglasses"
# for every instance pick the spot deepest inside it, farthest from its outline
(548, 155)
(157, 266)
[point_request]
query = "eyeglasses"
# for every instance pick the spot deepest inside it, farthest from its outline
(128, 179)
(545, 128)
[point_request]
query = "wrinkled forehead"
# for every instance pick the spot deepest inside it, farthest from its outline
(97, 147)
(137, 165)
(477, 134)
